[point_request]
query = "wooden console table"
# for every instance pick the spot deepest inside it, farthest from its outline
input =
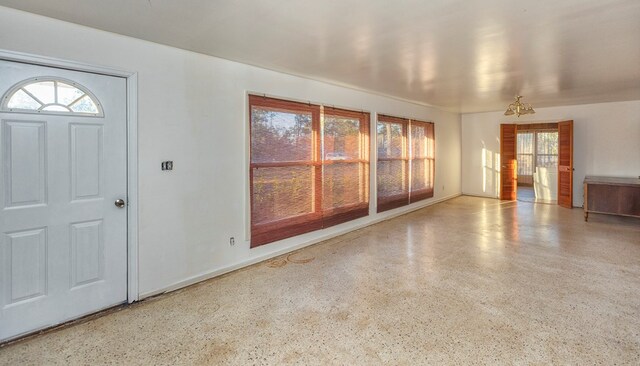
(612, 196)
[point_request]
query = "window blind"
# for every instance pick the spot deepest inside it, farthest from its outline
(406, 161)
(285, 171)
(392, 166)
(422, 160)
(345, 166)
(306, 173)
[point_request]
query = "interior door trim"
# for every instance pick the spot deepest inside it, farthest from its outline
(133, 292)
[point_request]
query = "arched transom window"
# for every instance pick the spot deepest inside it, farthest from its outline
(51, 96)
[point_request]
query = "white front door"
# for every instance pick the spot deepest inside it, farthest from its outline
(63, 241)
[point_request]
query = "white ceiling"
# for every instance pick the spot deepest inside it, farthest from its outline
(466, 56)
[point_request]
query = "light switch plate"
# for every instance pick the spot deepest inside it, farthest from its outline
(167, 165)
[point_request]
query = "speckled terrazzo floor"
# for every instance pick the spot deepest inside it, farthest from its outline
(467, 281)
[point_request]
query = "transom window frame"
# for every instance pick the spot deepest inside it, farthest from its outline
(4, 106)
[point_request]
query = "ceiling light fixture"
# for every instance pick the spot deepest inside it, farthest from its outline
(519, 108)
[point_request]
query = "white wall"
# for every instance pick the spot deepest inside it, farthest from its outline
(192, 110)
(606, 142)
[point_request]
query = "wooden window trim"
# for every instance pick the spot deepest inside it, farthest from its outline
(391, 202)
(392, 119)
(538, 127)
(277, 230)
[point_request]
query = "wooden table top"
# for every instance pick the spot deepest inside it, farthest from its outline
(614, 181)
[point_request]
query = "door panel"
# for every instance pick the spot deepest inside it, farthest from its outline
(63, 242)
(25, 265)
(86, 161)
(508, 162)
(565, 164)
(24, 163)
(87, 252)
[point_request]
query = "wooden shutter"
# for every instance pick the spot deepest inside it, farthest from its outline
(508, 162)
(393, 163)
(345, 166)
(285, 169)
(565, 164)
(422, 160)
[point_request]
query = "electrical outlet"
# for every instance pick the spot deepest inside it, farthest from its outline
(232, 241)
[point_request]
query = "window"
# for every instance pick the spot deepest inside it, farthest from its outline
(345, 166)
(392, 167)
(51, 96)
(547, 149)
(422, 154)
(305, 174)
(406, 161)
(525, 154)
(536, 149)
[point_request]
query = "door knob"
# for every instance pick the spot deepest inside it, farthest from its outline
(119, 203)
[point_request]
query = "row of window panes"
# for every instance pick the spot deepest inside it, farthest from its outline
(544, 143)
(406, 165)
(310, 166)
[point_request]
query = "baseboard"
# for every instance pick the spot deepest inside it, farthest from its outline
(245, 263)
(479, 195)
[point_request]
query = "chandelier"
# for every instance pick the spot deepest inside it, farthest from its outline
(518, 108)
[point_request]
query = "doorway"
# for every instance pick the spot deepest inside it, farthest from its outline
(537, 162)
(537, 159)
(64, 236)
